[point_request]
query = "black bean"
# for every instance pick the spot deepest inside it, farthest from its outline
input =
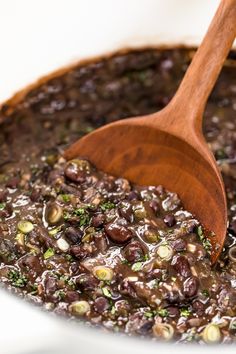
(132, 196)
(100, 242)
(118, 233)
(13, 182)
(77, 170)
(154, 206)
(232, 226)
(32, 262)
(145, 327)
(79, 251)
(173, 311)
(173, 297)
(126, 288)
(3, 195)
(98, 220)
(169, 220)
(101, 304)
(35, 195)
(154, 274)
(7, 211)
(198, 307)
(50, 285)
(125, 210)
(181, 266)
(133, 252)
(71, 296)
(73, 235)
(191, 286)
(65, 189)
(179, 245)
(54, 176)
(86, 282)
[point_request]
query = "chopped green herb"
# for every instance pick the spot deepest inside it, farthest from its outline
(68, 257)
(205, 293)
(67, 280)
(200, 232)
(65, 197)
(106, 292)
(66, 215)
(205, 241)
(107, 206)
(163, 312)
(136, 267)
(185, 312)
(124, 261)
(60, 294)
(149, 314)
(34, 290)
(49, 253)
(207, 245)
(83, 214)
(2, 206)
(146, 257)
(17, 279)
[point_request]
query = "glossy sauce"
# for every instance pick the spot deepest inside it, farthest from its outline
(91, 246)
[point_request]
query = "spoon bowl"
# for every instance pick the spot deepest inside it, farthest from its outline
(168, 148)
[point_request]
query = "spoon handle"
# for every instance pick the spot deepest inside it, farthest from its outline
(205, 67)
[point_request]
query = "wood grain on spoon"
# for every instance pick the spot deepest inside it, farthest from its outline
(168, 147)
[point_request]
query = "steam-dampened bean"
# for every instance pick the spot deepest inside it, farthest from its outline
(76, 170)
(169, 219)
(101, 304)
(191, 286)
(98, 220)
(133, 252)
(74, 235)
(118, 233)
(181, 265)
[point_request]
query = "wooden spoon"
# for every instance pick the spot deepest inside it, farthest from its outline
(168, 147)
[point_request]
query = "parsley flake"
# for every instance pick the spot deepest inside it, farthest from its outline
(49, 253)
(185, 312)
(17, 279)
(2, 206)
(163, 312)
(107, 206)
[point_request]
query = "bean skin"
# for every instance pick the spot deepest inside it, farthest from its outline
(101, 304)
(169, 220)
(73, 235)
(191, 287)
(118, 233)
(133, 251)
(181, 266)
(98, 220)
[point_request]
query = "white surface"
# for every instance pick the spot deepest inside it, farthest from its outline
(39, 36)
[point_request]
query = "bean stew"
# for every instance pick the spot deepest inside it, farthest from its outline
(90, 246)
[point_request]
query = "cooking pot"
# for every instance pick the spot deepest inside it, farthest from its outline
(40, 37)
